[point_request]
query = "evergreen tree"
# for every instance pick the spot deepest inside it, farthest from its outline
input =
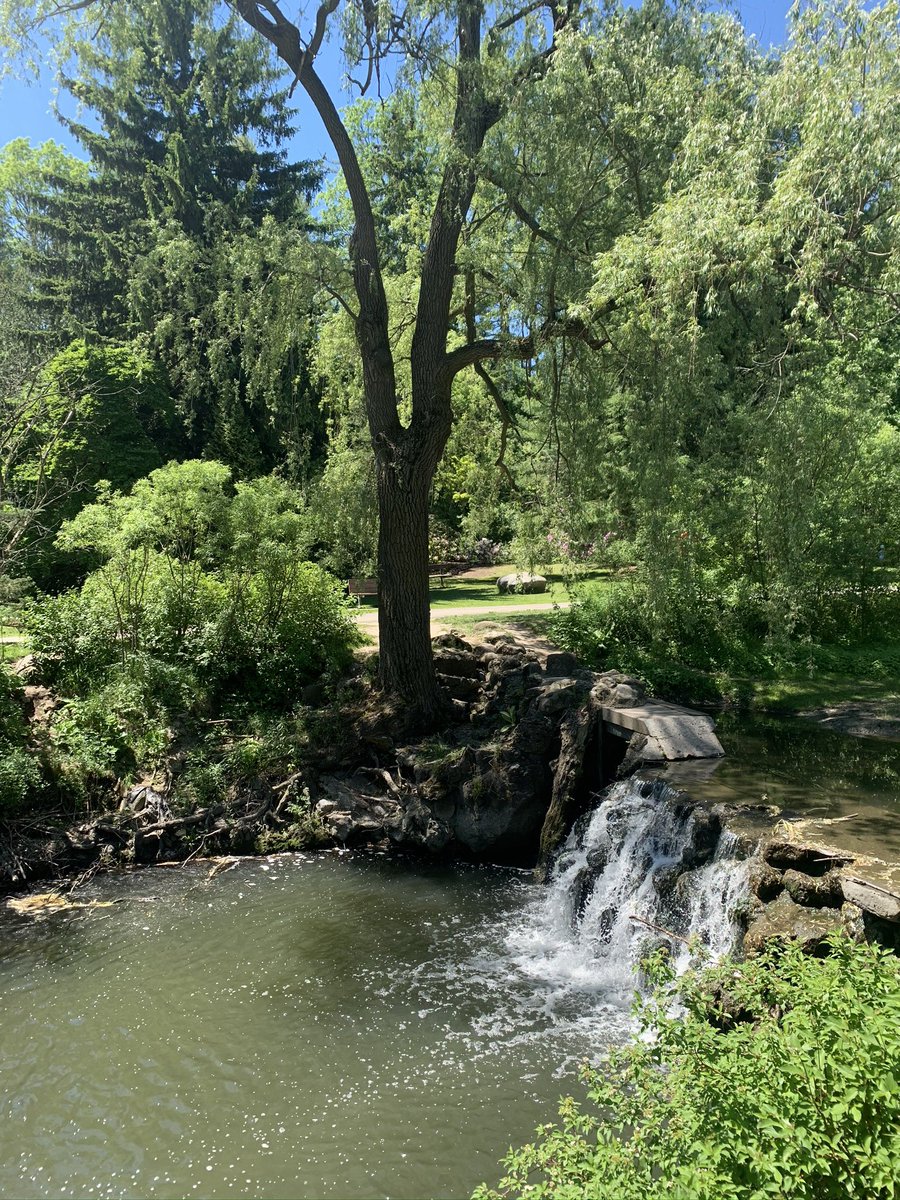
(183, 171)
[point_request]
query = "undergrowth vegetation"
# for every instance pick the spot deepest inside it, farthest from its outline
(781, 1078)
(21, 774)
(200, 602)
(701, 650)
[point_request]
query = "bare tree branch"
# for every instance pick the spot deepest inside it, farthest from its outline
(522, 348)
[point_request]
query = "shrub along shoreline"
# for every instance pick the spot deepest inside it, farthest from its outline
(717, 661)
(193, 634)
(778, 1076)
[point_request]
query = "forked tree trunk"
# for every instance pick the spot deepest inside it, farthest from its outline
(406, 457)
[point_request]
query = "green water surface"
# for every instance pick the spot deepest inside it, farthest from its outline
(296, 1027)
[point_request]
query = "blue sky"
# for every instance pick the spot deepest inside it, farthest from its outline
(25, 108)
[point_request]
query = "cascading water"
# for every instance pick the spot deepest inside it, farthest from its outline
(643, 858)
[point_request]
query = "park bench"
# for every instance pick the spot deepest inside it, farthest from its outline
(362, 587)
(446, 570)
(369, 587)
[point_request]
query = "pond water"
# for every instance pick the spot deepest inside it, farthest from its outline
(359, 1026)
(296, 1027)
(809, 772)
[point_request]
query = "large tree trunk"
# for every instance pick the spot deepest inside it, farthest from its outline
(406, 669)
(404, 474)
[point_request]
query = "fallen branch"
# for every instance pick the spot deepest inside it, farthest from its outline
(286, 783)
(381, 773)
(659, 929)
(285, 788)
(200, 846)
(164, 827)
(86, 876)
(221, 865)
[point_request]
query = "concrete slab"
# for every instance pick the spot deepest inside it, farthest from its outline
(678, 732)
(880, 901)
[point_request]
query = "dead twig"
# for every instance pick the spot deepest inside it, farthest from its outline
(659, 929)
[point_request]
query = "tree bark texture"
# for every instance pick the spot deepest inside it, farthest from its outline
(406, 669)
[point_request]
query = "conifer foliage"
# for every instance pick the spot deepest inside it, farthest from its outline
(184, 125)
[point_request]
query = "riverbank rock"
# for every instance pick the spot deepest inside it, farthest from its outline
(783, 920)
(880, 901)
(525, 757)
(804, 889)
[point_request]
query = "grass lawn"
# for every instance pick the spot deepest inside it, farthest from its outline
(464, 591)
(798, 692)
(10, 650)
(13, 642)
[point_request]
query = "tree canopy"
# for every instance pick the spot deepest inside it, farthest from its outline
(602, 279)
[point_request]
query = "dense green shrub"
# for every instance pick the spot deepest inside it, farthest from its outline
(197, 584)
(798, 1098)
(12, 713)
(702, 635)
(98, 412)
(124, 720)
(278, 628)
(21, 779)
(72, 642)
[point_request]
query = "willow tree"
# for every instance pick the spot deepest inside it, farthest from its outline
(492, 60)
(489, 57)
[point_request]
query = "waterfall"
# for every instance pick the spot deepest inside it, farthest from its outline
(644, 852)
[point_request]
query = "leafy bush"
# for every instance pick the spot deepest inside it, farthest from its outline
(269, 748)
(124, 720)
(98, 412)
(12, 715)
(701, 637)
(486, 553)
(21, 779)
(307, 831)
(21, 773)
(72, 639)
(796, 1097)
(276, 629)
(200, 596)
(193, 577)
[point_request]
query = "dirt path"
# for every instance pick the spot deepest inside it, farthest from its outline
(442, 618)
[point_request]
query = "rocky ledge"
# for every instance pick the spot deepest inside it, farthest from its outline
(531, 738)
(535, 738)
(803, 890)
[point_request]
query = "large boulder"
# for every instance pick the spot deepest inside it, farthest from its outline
(521, 581)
